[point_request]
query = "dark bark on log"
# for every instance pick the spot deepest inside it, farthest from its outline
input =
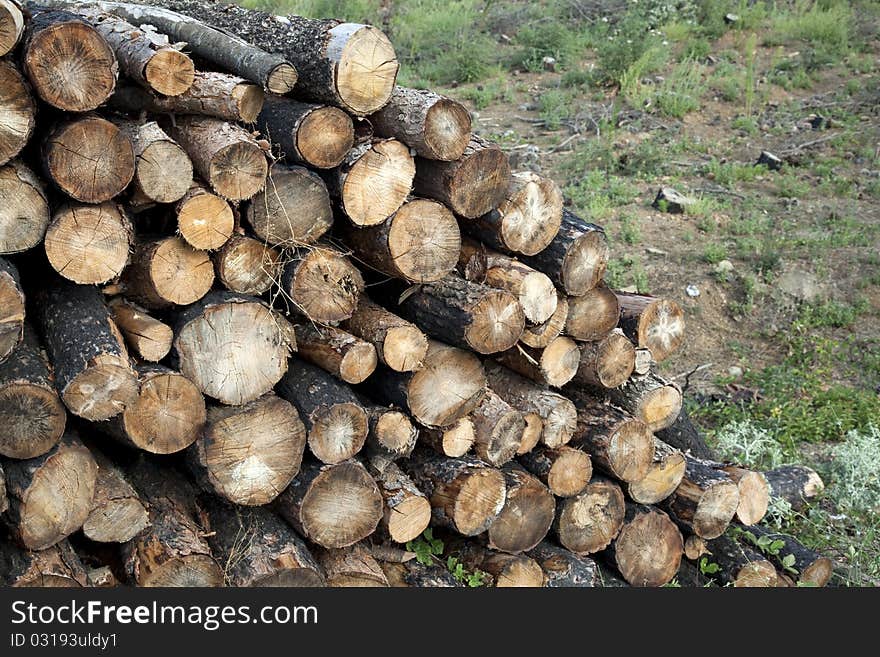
(809, 567)
(654, 401)
(563, 568)
(797, 484)
(414, 574)
(740, 565)
(12, 309)
(352, 566)
(55, 567)
(407, 511)
(684, 435)
(506, 570)
(24, 215)
(319, 136)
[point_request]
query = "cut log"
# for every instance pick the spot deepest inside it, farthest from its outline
(223, 154)
(655, 324)
(24, 215)
(618, 443)
(739, 565)
(683, 435)
(392, 434)
(340, 353)
(527, 219)
(555, 365)
(565, 470)
(470, 186)
(558, 413)
(754, 494)
(564, 569)
(146, 336)
(219, 95)
(336, 421)
(70, 65)
(254, 547)
(586, 523)
(576, 258)
(167, 272)
(419, 243)
(607, 363)
(117, 514)
(204, 219)
(648, 550)
(232, 347)
(498, 429)
(541, 335)
(92, 370)
(643, 361)
(809, 568)
(466, 494)
(414, 574)
(593, 315)
(4, 499)
(322, 284)
(528, 512)
(11, 26)
(249, 454)
(140, 54)
(352, 567)
(664, 475)
(448, 387)
(171, 550)
(332, 505)
(654, 401)
(88, 158)
(18, 110)
(706, 500)
(399, 344)
(373, 181)
(506, 570)
(55, 567)
(453, 441)
(89, 244)
(166, 417)
(33, 416)
(695, 547)
(50, 496)
(318, 136)
(12, 309)
(407, 510)
(797, 484)
(531, 435)
(247, 266)
(434, 126)
(465, 314)
(163, 171)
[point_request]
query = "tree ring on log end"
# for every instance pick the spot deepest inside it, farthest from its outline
(325, 136)
(631, 450)
(583, 266)
(480, 182)
(661, 328)
(19, 112)
(238, 171)
(88, 244)
(445, 123)
(282, 79)
(167, 416)
(479, 501)
(538, 297)
(249, 99)
(560, 361)
(338, 432)
(169, 72)
(153, 167)
(33, 420)
(757, 574)
(716, 509)
(448, 387)
(11, 314)
(648, 550)
(181, 274)
(101, 391)
(378, 183)
(191, 571)
(424, 241)
(497, 323)
(532, 216)
(326, 286)
(408, 520)
(404, 348)
(590, 520)
(615, 360)
(521, 572)
(366, 69)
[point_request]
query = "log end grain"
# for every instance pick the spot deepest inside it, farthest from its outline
(716, 507)
(102, 390)
(531, 435)
(648, 550)
(33, 419)
(497, 323)
(366, 69)
(526, 516)
(589, 521)
(661, 328)
(521, 572)
(537, 297)
(325, 137)
(282, 79)
(448, 387)
(180, 274)
(754, 497)
(479, 497)
(11, 26)
(394, 432)
(660, 407)
(584, 264)
(559, 361)
(89, 244)
(167, 416)
(593, 314)
(248, 266)
(570, 472)
(757, 574)
(540, 335)
(24, 214)
(631, 450)
(664, 476)
(12, 312)
(338, 432)
(531, 213)
(17, 111)
(447, 130)
(615, 361)
(204, 220)
(238, 171)
(325, 285)
(164, 171)
(480, 182)
(454, 441)
(294, 210)
(404, 348)
(378, 183)
(169, 72)
(424, 241)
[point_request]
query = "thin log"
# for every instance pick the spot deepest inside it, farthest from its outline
(399, 344)
(797, 484)
(453, 441)
(204, 219)
(352, 567)
(664, 475)
(608, 362)
(555, 365)
(167, 272)
(340, 353)
(498, 429)
(318, 136)
(540, 335)
(12, 303)
(653, 400)
(163, 171)
(565, 470)
(392, 434)
(147, 337)
(407, 510)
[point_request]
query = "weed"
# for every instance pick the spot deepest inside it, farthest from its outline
(428, 551)
(714, 253)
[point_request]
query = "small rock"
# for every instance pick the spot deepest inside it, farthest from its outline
(735, 371)
(671, 201)
(692, 291)
(654, 251)
(549, 64)
(801, 285)
(724, 267)
(771, 161)
(730, 19)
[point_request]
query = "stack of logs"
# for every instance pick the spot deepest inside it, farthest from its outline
(266, 316)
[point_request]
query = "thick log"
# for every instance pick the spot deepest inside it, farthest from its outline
(418, 243)
(352, 567)
(407, 510)
(89, 244)
(607, 363)
(399, 344)
(171, 550)
(336, 421)
(232, 347)
(528, 512)
(648, 549)
(11, 25)
(434, 126)
(256, 548)
(558, 413)
(682, 434)
(88, 158)
(555, 365)
(797, 484)
(466, 494)
(163, 171)
(318, 136)
(809, 567)
(664, 475)
(527, 219)
(754, 494)
(453, 441)
(147, 337)
(654, 401)
(92, 371)
(471, 185)
(414, 574)
(24, 215)
(340, 353)
(531, 435)
(392, 434)
(373, 181)
(293, 211)
(655, 324)
(332, 505)
(167, 272)
(740, 566)
(70, 65)
(322, 283)
(541, 335)
(565, 470)
(18, 110)
(204, 219)
(247, 266)
(12, 309)
(249, 454)
(576, 257)
(498, 429)
(563, 568)
(56, 567)
(467, 315)
(706, 499)
(586, 523)
(117, 514)
(506, 570)
(50, 496)
(593, 315)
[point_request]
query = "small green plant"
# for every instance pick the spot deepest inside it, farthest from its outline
(473, 578)
(714, 253)
(855, 483)
(426, 547)
(749, 81)
(708, 567)
(743, 441)
(428, 551)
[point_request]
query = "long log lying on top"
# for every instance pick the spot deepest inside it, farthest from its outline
(656, 324)
(11, 308)
(316, 135)
(55, 567)
(648, 550)
(18, 110)
(24, 214)
(796, 484)
(321, 283)
(399, 344)
(11, 25)
(528, 511)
